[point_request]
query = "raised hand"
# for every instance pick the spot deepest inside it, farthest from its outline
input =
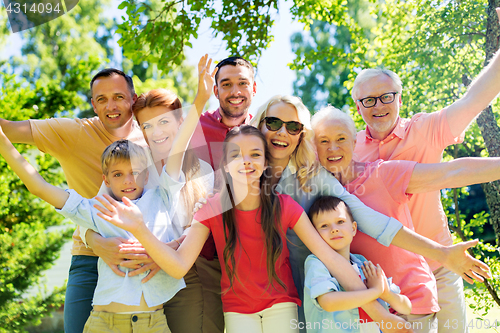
(206, 79)
(124, 215)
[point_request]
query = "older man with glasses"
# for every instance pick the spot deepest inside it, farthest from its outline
(377, 93)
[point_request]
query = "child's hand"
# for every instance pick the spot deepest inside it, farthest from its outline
(205, 79)
(387, 291)
(126, 216)
(375, 277)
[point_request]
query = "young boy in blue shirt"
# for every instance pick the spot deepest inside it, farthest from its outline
(327, 307)
(125, 303)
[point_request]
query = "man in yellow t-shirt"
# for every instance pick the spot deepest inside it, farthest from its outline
(78, 144)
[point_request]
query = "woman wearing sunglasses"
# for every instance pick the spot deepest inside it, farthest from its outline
(286, 125)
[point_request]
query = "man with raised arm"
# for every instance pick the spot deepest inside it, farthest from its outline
(234, 88)
(423, 138)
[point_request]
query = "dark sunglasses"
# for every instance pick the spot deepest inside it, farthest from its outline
(274, 124)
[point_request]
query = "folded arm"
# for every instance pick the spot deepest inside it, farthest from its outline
(343, 272)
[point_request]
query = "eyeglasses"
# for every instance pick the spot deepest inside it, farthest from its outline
(369, 102)
(274, 124)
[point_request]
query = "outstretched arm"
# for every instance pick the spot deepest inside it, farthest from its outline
(128, 217)
(30, 177)
(17, 131)
(205, 85)
(478, 96)
(457, 173)
(454, 257)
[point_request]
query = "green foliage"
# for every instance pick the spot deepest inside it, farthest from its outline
(435, 47)
(481, 301)
(157, 32)
(54, 49)
(17, 315)
(321, 82)
(27, 247)
(182, 80)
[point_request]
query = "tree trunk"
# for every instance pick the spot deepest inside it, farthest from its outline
(487, 122)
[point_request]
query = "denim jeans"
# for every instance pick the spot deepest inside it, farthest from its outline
(82, 281)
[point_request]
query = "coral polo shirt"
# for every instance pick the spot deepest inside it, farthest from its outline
(421, 139)
(382, 186)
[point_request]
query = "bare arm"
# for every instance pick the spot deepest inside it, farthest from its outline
(398, 302)
(17, 131)
(454, 257)
(181, 141)
(128, 217)
(344, 273)
(457, 173)
(478, 96)
(30, 177)
(347, 300)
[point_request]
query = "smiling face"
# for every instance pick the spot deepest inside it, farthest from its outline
(235, 89)
(112, 102)
(281, 143)
(126, 179)
(245, 159)
(336, 228)
(159, 126)
(380, 119)
(335, 145)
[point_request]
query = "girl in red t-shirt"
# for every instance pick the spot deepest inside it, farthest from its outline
(248, 221)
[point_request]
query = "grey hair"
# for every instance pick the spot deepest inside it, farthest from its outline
(332, 113)
(370, 73)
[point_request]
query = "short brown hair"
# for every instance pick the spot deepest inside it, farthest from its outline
(233, 61)
(327, 203)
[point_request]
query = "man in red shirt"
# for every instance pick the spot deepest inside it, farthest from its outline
(377, 94)
(234, 88)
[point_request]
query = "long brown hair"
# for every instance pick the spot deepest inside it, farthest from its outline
(270, 214)
(195, 187)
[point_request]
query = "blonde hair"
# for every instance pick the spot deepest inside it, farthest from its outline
(123, 150)
(370, 73)
(195, 187)
(303, 158)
